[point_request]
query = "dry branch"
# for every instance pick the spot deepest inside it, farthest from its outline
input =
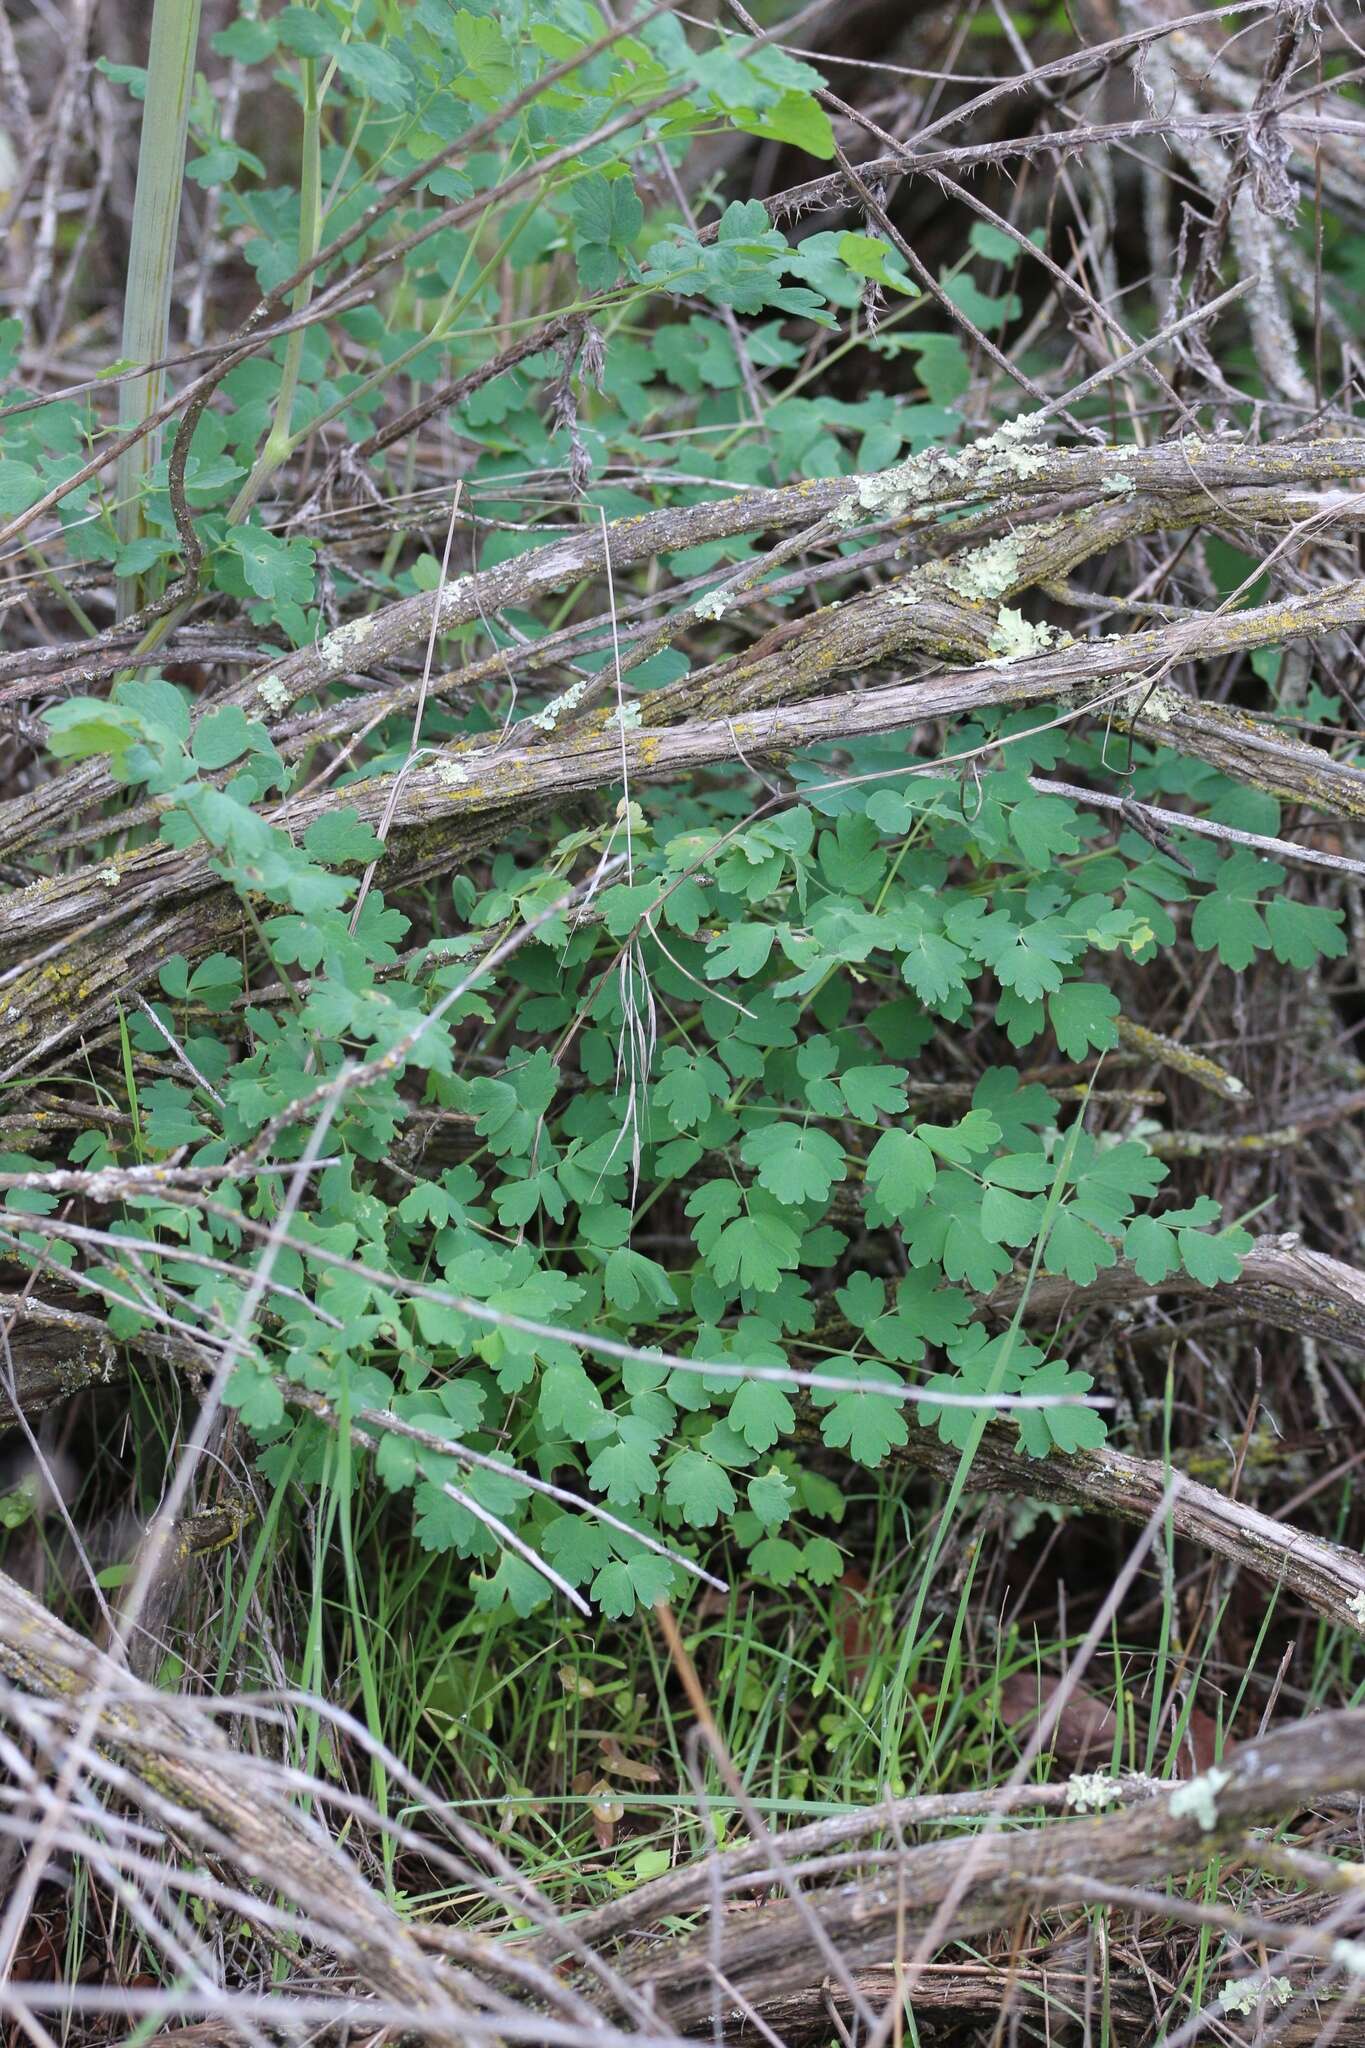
(112, 927)
(1328, 1578)
(928, 484)
(765, 1952)
(1282, 1283)
(177, 1762)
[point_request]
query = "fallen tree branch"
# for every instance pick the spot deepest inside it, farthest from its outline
(86, 914)
(175, 1758)
(1281, 1282)
(1328, 1578)
(993, 468)
(765, 1955)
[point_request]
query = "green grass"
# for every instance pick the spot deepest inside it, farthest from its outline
(818, 1703)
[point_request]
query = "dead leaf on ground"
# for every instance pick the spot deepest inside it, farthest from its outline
(1085, 1727)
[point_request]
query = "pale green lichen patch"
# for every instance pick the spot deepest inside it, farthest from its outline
(1159, 705)
(999, 457)
(1243, 1995)
(272, 693)
(549, 715)
(1120, 485)
(1091, 1791)
(1355, 1607)
(713, 604)
(1200, 1798)
(1015, 638)
(339, 650)
(455, 596)
(987, 572)
(109, 876)
(451, 772)
(1005, 446)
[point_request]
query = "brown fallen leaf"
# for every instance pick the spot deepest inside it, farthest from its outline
(1084, 1732)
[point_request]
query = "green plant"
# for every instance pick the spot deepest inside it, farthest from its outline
(720, 1208)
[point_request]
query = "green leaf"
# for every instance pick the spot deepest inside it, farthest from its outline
(634, 1283)
(624, 1471)
(1213, 1261)
(311, 32)
(871, 1092)
(1301, 934)
(340, 836)
(900, 1171)
(488, 54)
(822, 1561)
(699, 1488)
(248, 42)
(570, 1405)
(225, 736)
(607, 216)
(278, 570)
(762, 1414)
(1083, 1015)
(86, 726)
(795, 118)
(770, 1496)
(577, 1547)
(796, 1163)
(1076, 1250)
(972, 1135)
(1026, 958)
(742, 951)
(20, 487)
(640, 1581)
(255, 1396)
(1152, 1248)
(981, 1372)
(1068, 1429)
(867, 256)
(374, 72)
(688, 1086)
(755, 1250)
(1007, 1218)
(932, 965)
(1229, 920)
(867, 1426)
(779, 1561)
(1043, 827)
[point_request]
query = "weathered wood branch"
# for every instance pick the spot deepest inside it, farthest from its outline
(765, 1953)
(1325, 1576)
(111, 922)
(994, 469)
(178, 1762)
(1282, 1283)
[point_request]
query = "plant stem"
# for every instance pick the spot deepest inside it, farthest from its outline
(278, 442)
(151, 256)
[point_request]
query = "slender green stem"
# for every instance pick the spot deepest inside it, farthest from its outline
(151, 256)
(278, 441)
